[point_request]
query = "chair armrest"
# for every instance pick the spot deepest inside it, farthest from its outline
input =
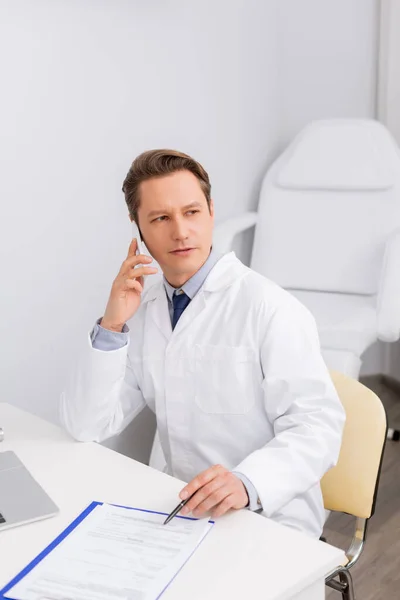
(225, 232)
(388, 305)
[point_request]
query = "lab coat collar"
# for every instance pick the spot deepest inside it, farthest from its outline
(222, 275)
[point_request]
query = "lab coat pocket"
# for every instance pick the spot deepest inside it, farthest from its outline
(225, 379)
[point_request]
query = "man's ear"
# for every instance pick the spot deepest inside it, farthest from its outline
(211, 207)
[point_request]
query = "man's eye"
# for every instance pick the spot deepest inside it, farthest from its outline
(161, 218)
(192, 212)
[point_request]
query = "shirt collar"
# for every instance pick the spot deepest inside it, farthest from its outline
(192, 285)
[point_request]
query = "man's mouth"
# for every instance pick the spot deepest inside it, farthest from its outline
(182, 251)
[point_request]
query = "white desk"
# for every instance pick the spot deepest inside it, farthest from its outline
(245, 557)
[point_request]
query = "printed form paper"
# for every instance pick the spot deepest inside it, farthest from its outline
(115, 553)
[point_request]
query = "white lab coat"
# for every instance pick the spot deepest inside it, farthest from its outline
(240, 382)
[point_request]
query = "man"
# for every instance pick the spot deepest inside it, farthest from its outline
(229, 362)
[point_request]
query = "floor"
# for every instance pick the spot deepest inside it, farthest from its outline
(377, 574)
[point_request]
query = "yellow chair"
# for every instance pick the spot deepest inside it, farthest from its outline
(351, 486)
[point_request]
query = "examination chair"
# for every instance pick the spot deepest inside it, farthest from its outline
(328, 231)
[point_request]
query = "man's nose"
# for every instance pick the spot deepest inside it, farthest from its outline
(179, 229)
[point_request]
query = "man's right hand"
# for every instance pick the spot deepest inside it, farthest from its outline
(127, 289)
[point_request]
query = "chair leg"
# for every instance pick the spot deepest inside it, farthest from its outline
(346, 578)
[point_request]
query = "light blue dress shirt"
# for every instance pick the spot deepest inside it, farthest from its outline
(103, 339)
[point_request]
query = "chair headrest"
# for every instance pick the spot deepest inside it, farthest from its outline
(345, 155)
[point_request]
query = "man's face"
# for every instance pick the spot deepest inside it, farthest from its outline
(174, 215)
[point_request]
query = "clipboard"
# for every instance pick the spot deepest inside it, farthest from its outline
(71, 527)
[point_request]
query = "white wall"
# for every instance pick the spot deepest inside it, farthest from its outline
(328, 60)
(389, 67)
(86, 86)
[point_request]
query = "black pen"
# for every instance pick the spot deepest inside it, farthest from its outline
(178, 508)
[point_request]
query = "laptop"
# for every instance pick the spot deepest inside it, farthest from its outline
(22, 499)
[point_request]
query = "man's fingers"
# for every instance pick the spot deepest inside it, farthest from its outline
(133, 246)
(201, 480)
(132, 262)
(212, 495)
(134, 284)
(207, 496)
(224, 506)
(212, 500)
(137, 259)
(140, 271)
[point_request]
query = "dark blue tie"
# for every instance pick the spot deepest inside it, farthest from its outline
(180, 302)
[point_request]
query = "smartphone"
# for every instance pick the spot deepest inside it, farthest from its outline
(141, 249)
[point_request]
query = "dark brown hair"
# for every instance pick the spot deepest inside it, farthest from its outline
(158, 163)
